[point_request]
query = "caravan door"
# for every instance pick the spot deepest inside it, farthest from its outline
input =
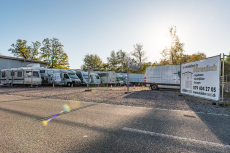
(7, 73)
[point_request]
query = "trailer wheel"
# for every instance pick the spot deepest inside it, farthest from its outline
(68, 84)
(154, 87)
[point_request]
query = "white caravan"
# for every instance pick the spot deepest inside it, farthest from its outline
(107, 76)
(166, 76)
(23, 75)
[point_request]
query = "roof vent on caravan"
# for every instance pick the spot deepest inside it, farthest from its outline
(33, 65)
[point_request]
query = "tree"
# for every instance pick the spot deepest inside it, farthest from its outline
(52, 51)
(113, 60)
(197, 56)
(174, 53)
(139, 53)
(123, 58)
(20, 49)
(33, 50)
(92, 61)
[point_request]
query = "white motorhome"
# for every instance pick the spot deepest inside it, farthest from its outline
(120, 79)
(107, 76)
(69, 77)
(166, 76)
(23, 75)
(50, 76)
(95, 78)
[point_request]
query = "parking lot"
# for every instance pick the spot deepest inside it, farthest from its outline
(139, 97)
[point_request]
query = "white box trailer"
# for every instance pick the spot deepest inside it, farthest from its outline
(19, 76)
(107, 76)
(165, 76)
(134, 78)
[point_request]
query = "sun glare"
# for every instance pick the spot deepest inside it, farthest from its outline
(164, 41)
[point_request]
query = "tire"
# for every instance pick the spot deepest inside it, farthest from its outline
(154, 87)
(68, 84)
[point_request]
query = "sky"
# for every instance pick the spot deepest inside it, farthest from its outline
(101, 26)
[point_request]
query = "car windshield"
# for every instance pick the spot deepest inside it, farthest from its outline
(120, 78)
(71, 75)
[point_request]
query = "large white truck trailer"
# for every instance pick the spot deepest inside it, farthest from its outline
(165, 76)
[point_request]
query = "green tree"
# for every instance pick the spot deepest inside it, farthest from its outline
(139, 53)
(52, 51)
(113, 60)
(92, 61)
(20, 49)
(174, 53)
(123, 58)
(33, 50)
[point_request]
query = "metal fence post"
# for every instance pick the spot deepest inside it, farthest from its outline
(88, 78)
(223, 80)
(32, 78)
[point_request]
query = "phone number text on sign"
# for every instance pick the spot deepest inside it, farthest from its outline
(212, 89)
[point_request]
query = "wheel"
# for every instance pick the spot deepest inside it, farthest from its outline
(154, 87)
(69, 84)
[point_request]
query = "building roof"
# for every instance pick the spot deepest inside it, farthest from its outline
(22, 59)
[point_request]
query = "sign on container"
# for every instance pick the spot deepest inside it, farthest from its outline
(201, 78)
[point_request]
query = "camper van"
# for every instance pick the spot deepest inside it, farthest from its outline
(19, 76)
(120, 79)
(166, 76)
(93, 78)
(69, 77)
(107, 76)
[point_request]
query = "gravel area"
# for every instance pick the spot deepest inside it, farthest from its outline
(163, 99)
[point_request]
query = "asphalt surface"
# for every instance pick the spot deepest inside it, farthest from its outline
(93, 127)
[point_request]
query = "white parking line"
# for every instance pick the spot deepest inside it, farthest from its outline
(175, 137)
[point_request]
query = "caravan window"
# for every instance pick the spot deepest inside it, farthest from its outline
(42, 71)
(66, 76)
(35, 74)
(104, 74)
(3, 74)
(19, 74)
(12, 74)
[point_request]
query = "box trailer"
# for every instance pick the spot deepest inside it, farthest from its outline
(134, 78)
(165, 76)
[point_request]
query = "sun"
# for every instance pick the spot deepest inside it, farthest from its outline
(164, 41)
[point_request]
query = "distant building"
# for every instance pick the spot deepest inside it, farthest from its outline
(13, 62)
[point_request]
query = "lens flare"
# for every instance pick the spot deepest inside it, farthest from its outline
(66, 108)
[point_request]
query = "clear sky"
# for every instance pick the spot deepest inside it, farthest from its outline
(100, 26)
